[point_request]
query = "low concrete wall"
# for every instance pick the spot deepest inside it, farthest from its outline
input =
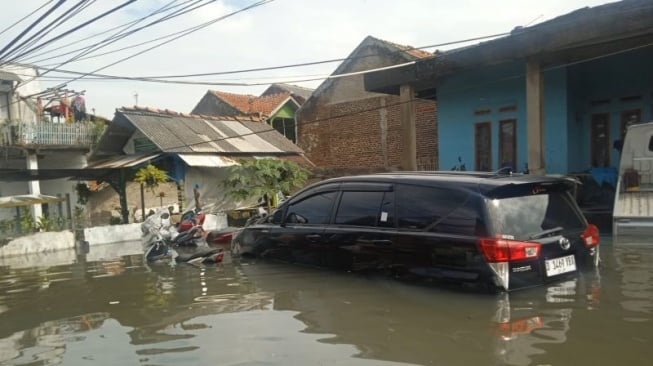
(112, 234)
(39, 243)
(215, 222)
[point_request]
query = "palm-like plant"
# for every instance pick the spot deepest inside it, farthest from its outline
(263, 178)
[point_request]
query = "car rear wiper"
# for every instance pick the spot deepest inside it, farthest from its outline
(547, 232)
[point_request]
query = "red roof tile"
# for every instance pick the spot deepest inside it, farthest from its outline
(415, 52)
(249, 104)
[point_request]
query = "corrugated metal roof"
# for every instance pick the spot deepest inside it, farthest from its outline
(193, 134)
(122, 161)
(206, 160)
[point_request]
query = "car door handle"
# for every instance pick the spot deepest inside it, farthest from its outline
(382, 242)
(313, 236)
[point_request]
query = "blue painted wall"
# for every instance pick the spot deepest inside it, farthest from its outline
(608, 79)
(570, 95)
(462, 94)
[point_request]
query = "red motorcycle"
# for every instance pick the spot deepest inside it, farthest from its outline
(189, 220)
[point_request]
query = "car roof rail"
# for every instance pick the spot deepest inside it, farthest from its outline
(504, 172)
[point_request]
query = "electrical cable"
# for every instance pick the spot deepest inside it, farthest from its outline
(117, 36)
(522, 31)
(120, 35)
(74, 29)
(128, 78)
(25, 17)
(72, 12)
(60, 47)
(521, 75)
(257, 4)
(29, 28)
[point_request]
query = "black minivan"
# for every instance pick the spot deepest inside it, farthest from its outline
(498, 232)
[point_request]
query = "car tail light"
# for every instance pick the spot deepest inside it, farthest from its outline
(503, 250)
(590, 236)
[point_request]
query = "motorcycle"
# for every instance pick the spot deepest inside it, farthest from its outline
(160, 250)
(162, 241)
(190, 219)
(159, 227)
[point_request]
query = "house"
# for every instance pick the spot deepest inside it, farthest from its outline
(299, 93)
(192, 149)
(344, 127)
(29, 141)
(550, 98)
(276, 106)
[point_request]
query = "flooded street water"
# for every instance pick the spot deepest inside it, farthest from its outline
(105, 308)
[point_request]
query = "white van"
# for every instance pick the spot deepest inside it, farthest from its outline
(633, 205)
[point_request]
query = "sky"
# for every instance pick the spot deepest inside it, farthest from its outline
(279, 32)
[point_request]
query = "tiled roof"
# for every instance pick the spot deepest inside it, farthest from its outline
(249, 104)
(415, 52)
(296, 91)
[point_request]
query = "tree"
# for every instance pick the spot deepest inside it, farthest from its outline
(150, 176)
(263, 178)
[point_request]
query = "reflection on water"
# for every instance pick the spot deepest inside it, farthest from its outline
(109, 307)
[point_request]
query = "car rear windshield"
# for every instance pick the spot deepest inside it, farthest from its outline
(526, 216)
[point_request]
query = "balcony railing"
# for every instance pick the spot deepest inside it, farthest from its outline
(44, 135)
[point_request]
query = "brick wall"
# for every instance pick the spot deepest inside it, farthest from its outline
(365, 134)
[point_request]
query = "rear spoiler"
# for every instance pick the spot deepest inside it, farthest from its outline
(529, 188)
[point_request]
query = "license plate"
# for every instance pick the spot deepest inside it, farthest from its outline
(560, 265)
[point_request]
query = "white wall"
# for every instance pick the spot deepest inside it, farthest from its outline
(51, 160)
(21, 111)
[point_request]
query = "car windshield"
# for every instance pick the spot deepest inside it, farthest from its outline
(534, 216)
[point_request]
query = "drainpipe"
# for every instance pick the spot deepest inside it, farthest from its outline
(534, 120)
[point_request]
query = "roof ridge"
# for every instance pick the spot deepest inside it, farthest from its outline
(253, 117)
(411, 50)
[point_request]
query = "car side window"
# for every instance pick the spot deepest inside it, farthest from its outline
(314, 209)
(438, 210)
(360, 209)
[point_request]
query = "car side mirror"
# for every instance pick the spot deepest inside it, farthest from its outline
(277, 217)
(293, 218)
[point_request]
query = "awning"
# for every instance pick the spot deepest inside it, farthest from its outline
(207, 160)
(98, 170)
(122, 161)
(28, 200)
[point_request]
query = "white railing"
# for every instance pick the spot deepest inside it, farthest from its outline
(47, 134)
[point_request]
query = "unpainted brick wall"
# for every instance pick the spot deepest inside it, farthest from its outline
(365, 134)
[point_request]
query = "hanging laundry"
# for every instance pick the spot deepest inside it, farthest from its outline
(79, 108)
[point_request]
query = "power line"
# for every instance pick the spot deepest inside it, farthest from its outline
(120, 35)
(59, 48)
(312, 63)
(273, 129)
(520, 75)
(74, 29)
(521, 31)
(25, 17)
(254, 5)
(62, 18)
(29, 28)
